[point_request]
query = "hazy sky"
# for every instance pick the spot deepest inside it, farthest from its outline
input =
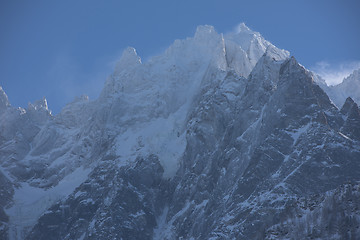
(62, 49)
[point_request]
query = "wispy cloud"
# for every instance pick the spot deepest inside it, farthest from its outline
(334, 73)
(71, 79)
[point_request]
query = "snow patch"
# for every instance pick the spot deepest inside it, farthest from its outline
(344, 136)
(31, 202)
(163, 137)
(298, 132)
(163, 230)
(137, 214)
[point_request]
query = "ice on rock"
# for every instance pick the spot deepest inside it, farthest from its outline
(242, 28)
(39, 111)
(347, 105)
(245, 47)
(139, 95)
(39, 105)
(125, 70)
(244, 37)
(129, 59)
(350, 87)
(276, 53)
(124, 77)
(4, 101)
(204, 49)
(31, 202)
(74, 113)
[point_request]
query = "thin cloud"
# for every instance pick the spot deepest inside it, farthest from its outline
(71, 80)
(333, 73)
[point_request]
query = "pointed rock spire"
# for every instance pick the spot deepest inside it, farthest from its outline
(347, 106)
(129, 59)
(4, 101)
(276, 53)
(39, 104)
(242, 28)
(351, 126)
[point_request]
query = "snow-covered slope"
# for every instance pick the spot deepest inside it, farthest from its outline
(349, 87)
(203, 141)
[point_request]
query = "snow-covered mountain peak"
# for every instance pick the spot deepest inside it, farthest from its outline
(205, 31)
(244, 37)
(276, 53)
(39, 105)
(350, 87)
(264, 77)
(353, 77)
(291, 65)
(238, 51)
(267, 68)
(128, 59)
(245, 47)
(38, 111)
(207, 46)
(242, 28)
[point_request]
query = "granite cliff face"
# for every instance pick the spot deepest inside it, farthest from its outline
(221, 137)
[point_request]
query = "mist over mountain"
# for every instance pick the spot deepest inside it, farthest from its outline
(349, 87)
(223, 136)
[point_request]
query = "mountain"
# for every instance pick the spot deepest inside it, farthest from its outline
(220, 137)
(349, 87)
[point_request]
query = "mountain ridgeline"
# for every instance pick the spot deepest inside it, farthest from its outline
(223, 136)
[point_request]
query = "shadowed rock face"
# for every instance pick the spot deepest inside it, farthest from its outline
(263, 157)
(250, 169)
(249, 180)
(115, 203)
(351, 126)
(6, 192)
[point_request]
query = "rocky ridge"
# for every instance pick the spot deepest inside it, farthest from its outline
(221, 137)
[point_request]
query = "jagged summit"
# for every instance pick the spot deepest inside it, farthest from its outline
(247, 46)
(354, 75)
(290, 65)
(128, 59)
(349, 87)
(39, 104)
(347, 105)
(351, 111)
(238, 51)
(245, 37)
(275, 54)
(242, 28)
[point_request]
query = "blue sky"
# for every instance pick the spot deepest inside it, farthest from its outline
(62, 49)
